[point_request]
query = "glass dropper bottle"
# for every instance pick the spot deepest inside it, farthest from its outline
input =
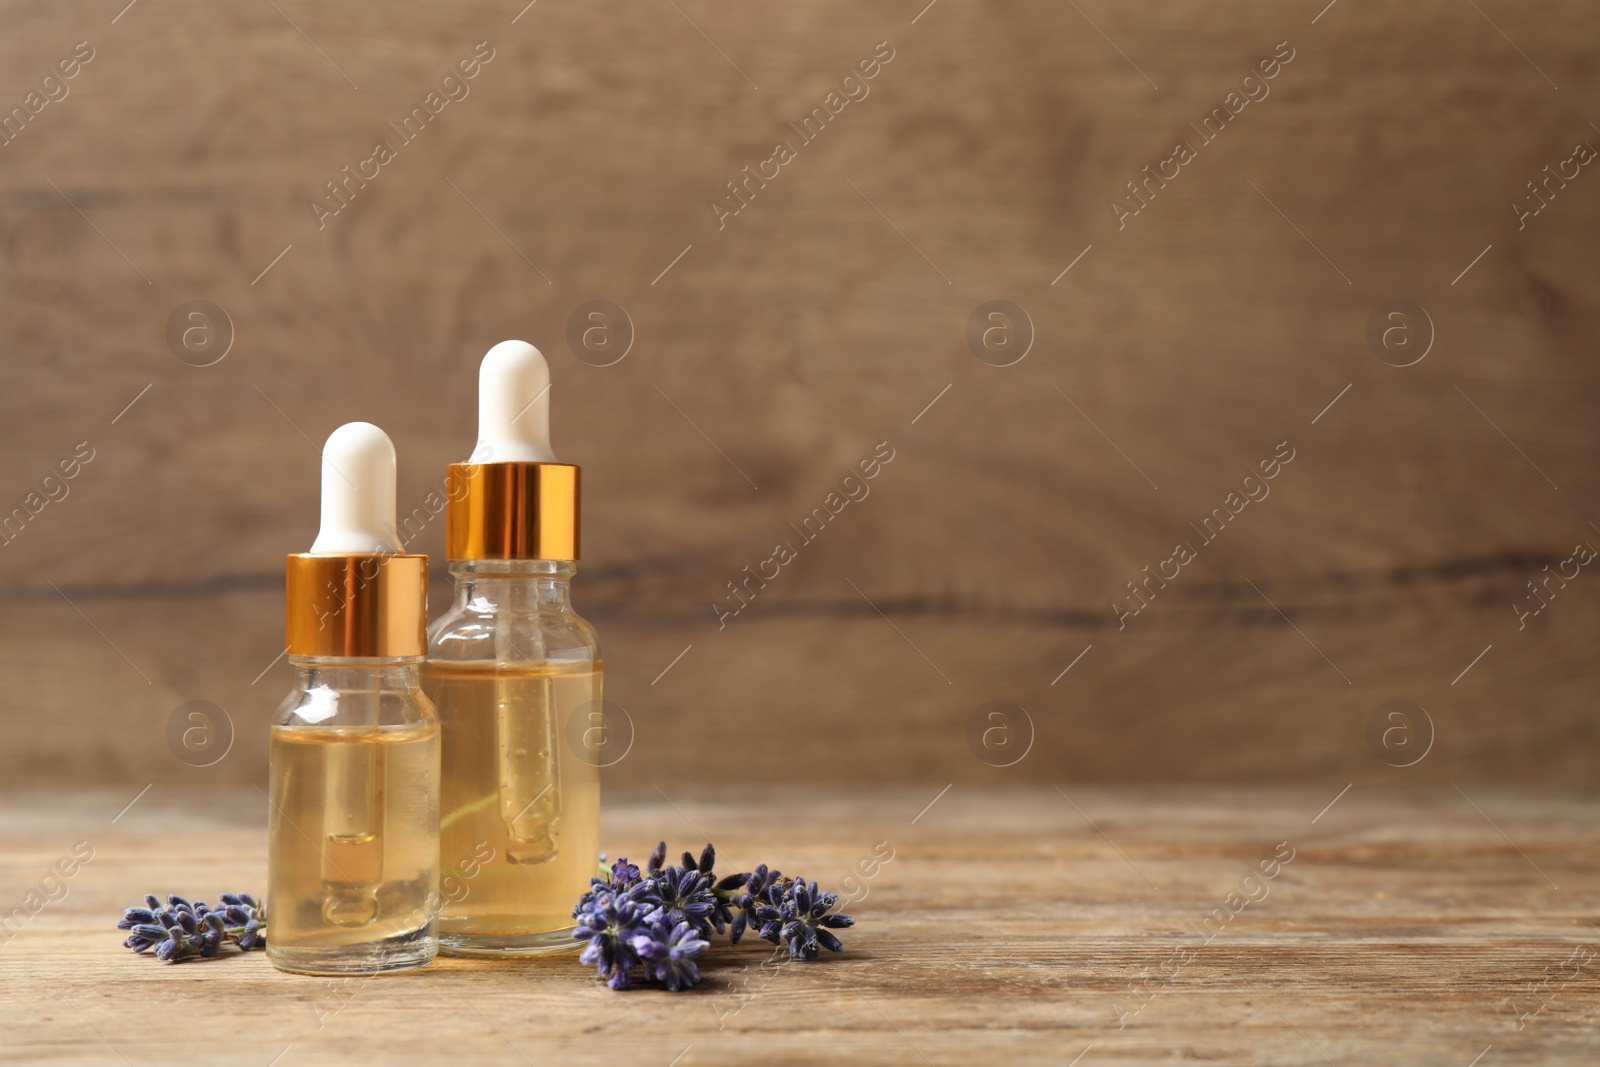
(353, 825)
(516, 676)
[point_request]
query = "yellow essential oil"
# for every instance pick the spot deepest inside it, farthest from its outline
(355, 858)
(514, 775)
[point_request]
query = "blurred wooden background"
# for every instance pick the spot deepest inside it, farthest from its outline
(823, 319)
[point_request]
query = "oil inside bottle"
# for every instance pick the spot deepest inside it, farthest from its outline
(355, 868)
(514, 778)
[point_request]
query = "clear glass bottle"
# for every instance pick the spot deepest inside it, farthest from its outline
(353, 823)
(516, 675)
(353, 816)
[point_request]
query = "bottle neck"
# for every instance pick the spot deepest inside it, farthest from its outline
(517, 584)
(344, 693)
(353, 675)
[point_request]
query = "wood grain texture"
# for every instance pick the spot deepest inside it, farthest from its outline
(824, 318)
(1026, 924)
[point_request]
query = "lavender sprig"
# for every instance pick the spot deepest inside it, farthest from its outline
(809, 919)
(621, 931)
(670, 959)
(660, 920)
(180, 930)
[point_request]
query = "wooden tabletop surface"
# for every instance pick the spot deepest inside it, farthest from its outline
(1037, 925)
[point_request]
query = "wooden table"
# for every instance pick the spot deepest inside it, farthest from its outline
(1029, 925)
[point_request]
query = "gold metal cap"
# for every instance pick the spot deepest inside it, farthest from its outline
(368, 605)
(512, 511)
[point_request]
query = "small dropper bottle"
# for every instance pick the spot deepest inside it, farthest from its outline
(353, 838)
(516, 676)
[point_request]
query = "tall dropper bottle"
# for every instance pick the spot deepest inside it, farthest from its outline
(516, 676)
(353, 830)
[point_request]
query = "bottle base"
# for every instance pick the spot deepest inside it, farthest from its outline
(548, 943)
(403, 953)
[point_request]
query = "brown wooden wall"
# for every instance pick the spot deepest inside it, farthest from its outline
(1184, 347)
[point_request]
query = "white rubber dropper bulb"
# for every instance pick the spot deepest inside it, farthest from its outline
(513, 406)
(358, 476)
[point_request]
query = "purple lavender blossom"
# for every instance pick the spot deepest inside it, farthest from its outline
(654, 924)
(807, 917)
(180, 930)
(611, 923)
(683, 896)
(749, 900)
(669, 955)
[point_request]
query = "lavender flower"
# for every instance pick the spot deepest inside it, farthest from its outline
(612, 922)
(659, 921)
(683, 896)
(180, 930)
(669, 955)
(749, 900)
(620, 876)
(708, 858)
(807, 920)
(623, 873)
(724, 891)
